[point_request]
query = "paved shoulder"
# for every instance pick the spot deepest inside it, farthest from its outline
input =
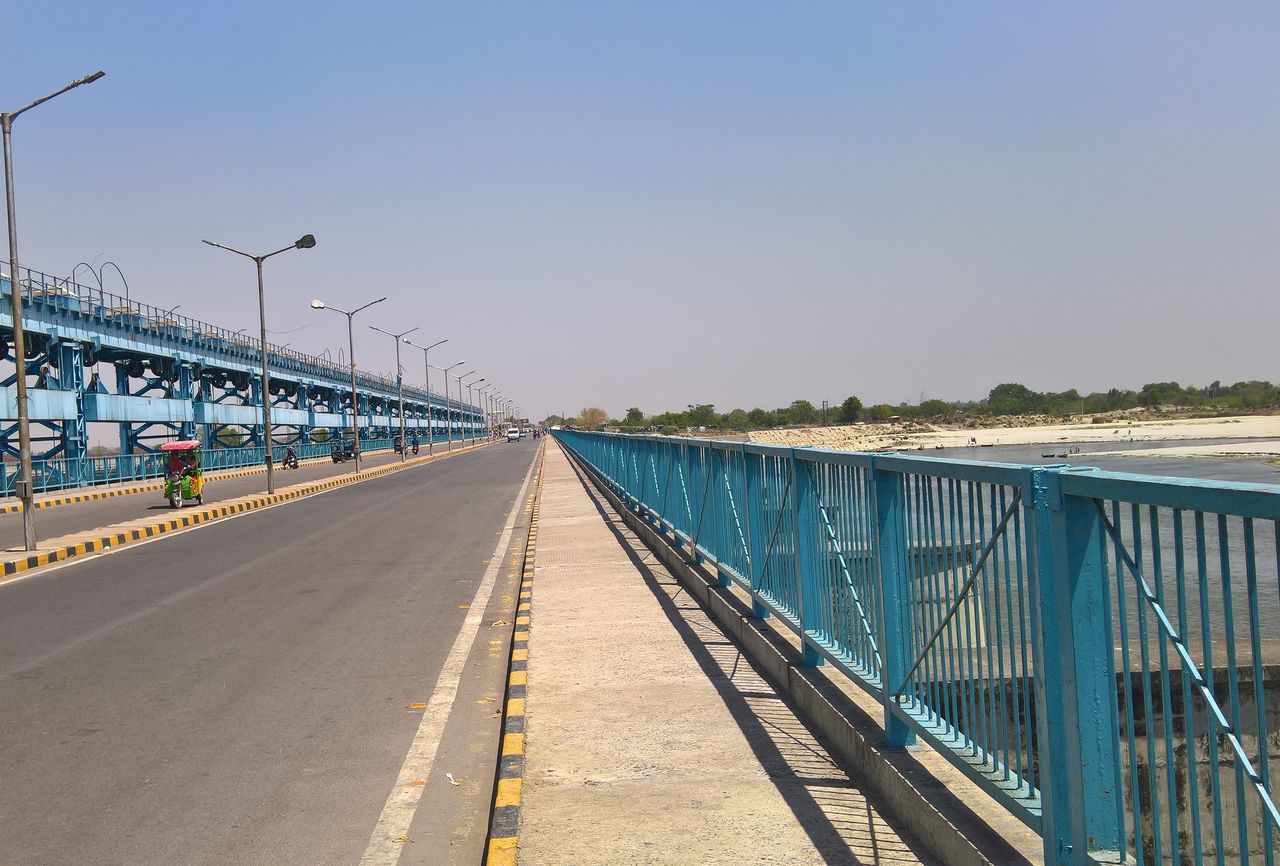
(649, 739)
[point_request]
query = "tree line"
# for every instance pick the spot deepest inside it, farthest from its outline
(1004, 399)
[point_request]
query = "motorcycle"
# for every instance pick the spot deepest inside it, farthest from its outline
(289, 461)
(342, 452)
(415, 447)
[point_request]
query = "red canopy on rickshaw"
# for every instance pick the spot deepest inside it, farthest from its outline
(180, 445)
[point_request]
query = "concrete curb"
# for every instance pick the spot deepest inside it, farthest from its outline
(504, 822)
(935, 804)
(215, 512)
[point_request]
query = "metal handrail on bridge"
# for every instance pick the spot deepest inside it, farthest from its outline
(1099, 652)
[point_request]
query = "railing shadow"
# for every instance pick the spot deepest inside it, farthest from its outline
(844, 826)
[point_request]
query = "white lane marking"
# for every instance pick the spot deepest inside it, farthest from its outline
(402, 804)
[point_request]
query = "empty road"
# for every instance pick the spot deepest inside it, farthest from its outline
(241, 692)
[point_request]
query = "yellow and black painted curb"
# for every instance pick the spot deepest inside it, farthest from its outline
(214, 512)
(504, 821)
(142, 487)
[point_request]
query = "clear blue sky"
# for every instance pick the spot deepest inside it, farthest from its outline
(656, 204)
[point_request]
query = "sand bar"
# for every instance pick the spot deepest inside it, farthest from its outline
(881, 437)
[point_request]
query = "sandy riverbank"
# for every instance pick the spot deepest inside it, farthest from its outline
(883, 437)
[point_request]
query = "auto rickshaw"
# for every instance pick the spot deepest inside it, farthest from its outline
(184, 479)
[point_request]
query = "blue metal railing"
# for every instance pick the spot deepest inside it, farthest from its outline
(58, 473)
(1100, 652)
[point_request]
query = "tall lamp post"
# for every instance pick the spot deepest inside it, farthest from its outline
(318, 304)
(470, 402)
(460, 403)
(305, 242)
(26, 490)
(426, 360)
(399, 382)
(447, 411)
(494, 397)
(484, 409)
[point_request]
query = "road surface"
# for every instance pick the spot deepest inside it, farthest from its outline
(241, 692)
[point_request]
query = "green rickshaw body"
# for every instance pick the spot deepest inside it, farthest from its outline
(184, 477)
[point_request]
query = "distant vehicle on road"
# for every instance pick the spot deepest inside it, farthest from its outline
(513, 434)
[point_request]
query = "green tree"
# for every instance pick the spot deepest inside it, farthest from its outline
(635, 418)
(848, 411)
(702, 415)
(592, 417)
(803, 412)
(934, 408)
(880, 412)
(1013, 399)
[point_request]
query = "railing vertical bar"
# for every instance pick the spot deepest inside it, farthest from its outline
(979, 533)
(1126, 672)
(1166, 708)
(1188, 703)
(1002, 569)
(1260, 704)
(951, 582)
(931, 617)
(1233, 679)
(1148, 711)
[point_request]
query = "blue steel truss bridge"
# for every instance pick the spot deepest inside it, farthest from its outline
(94, 358)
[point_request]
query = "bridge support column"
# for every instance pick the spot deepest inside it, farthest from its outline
(74, 434)
(305, 404)
(363, 414)
(256, 397)
(126, 429)
(756, 532)
(1076, 719)
(187, 388)
(805, 567)
(895, 637)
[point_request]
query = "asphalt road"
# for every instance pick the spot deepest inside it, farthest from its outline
(78, 517)
(239, 693)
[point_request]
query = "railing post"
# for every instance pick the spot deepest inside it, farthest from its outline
(802, 522)
(891, 554)
(1075, 684)
(755, 531)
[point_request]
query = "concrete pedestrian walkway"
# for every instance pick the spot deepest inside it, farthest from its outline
(649, 738)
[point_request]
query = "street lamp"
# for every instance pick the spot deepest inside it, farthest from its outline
(426, 360)
(460, 401)
(448, 411)
(490, 398)
(399, 381)
(25, 488)
(470, 402)
(484, 402)
(318, 304)
(305, 242)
